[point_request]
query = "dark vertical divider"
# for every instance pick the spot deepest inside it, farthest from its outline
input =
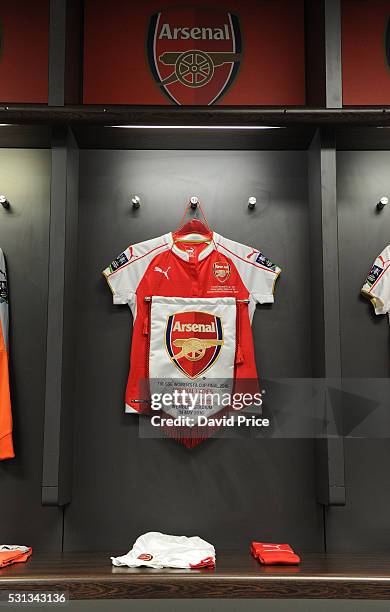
(323, 53)
(65, 52)
(56, 479)
(324, 87)
(325, 305)
(334, 97)
(65, 86)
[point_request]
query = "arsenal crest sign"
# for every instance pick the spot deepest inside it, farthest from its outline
(194, 341)
(194, 56)
(194, 52)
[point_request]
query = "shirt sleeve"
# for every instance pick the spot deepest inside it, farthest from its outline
(258, 273)
(125, 273)
(377, 284)
(262, 277)
(121, 279)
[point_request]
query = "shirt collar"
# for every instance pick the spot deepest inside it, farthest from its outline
(184, 255)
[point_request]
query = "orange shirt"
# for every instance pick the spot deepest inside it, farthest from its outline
(10, 554)
(6, 445)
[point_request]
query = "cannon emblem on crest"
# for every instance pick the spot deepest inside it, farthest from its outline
(194, 348)
(195, 68)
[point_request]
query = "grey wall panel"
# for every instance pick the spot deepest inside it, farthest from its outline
(25, 179)
(227, 490)
(363, 525)
(362, 178)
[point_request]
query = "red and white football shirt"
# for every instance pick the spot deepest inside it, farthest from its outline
(157, 550)
(377, 284)
(165, 267)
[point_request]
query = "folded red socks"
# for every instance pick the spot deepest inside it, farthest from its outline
(13, 554)
(274, 554)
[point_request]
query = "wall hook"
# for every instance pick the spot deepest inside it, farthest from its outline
(252, 202)
(136, 201)
(382, 203)
(194, 201)
(4, 202)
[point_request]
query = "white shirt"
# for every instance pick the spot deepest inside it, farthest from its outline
(154, 549)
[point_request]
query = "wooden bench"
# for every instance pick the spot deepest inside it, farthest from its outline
(91, 576)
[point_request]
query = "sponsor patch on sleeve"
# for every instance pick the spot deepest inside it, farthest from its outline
(374, 274)
(120, 261)
(264, 261)
(3, 291)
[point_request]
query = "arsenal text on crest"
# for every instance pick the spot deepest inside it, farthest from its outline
(196, 33)
(194, 327)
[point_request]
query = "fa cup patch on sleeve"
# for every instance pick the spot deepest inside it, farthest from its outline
(3, 287)
(3, 291)
(264, 261)
(374, 274)
(121, 260)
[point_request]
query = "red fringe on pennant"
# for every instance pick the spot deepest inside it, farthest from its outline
(191, 437)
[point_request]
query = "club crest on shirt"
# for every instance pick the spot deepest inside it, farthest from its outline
(120, 261)
(145, 557)
(194, 341)
(221, 271)
(374, 274)
(264, 261)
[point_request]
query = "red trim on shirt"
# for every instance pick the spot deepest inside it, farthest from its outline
(137, 259)
(245, 261)
(378, 279)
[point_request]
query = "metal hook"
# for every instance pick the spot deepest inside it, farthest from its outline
(4, 202)
(194, 201)
(252, 202)
(382, 203)
(136, 201)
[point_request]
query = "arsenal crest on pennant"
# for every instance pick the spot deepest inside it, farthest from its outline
(194, 54)
(194, 341)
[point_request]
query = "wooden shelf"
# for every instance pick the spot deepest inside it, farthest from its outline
(31, 126)
(91, 576)
(193, 115)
